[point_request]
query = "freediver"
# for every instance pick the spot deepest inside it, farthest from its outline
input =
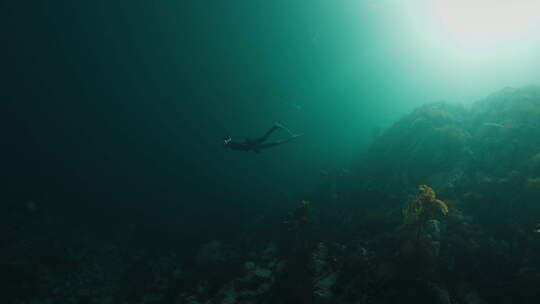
(258, 144)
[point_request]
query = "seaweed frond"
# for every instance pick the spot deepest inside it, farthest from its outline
(426, 206)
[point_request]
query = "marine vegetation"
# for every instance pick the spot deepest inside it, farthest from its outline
(299, 217)
(425, 207)
(422, 225)
(441, 208)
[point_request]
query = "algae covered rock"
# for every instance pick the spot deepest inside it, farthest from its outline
(429, 141)
(495, 142)
(506, 127)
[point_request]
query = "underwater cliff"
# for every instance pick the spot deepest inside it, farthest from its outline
(441, 208)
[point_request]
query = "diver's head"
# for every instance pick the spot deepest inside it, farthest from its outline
(226, 141)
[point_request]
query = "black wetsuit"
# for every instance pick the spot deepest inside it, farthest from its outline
(255, 145)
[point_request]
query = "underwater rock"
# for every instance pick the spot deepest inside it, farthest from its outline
(229, 296)
(323, 286)
(261, 273)
(452, 147)
(505, 128)
(441, 294)
(324, 276)
(257, 280)
(433, 229)
(319, 256)
(269, 252)
(472, 297)
(430, 140)
(249, 266)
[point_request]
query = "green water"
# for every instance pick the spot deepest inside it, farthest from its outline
(116, 113)
(139, 95)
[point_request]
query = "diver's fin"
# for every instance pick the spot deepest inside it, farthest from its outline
(281, 126)
(278, 125)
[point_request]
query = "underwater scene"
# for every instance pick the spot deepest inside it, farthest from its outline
(273, 152)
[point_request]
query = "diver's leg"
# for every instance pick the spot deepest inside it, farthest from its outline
(276, 126)
(277, 143)
(263, 138)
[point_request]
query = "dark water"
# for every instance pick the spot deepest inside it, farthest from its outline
(117, 188)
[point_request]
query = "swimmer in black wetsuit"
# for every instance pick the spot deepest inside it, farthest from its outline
(258, 144)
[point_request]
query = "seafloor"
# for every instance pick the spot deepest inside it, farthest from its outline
(442, 208)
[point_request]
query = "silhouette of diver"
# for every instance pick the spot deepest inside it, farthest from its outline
(258, 144)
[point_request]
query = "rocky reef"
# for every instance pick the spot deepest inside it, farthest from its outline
(442, 208)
